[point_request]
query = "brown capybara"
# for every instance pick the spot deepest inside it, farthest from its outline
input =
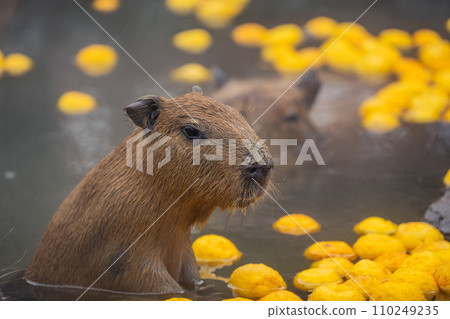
(286, 105)
(116, 207)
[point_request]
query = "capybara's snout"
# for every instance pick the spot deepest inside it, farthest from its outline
(259, 172)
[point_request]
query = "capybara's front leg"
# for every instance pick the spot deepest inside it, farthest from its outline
(189, 275)
(156, 278)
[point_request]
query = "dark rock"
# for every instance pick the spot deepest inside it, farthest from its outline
(438, 214)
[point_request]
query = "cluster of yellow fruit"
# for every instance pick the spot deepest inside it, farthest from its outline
(14, 64)
(347, 47)
(421, 94)
(405, 262)
(212, 13)
(410, 261)
(251, 281)
(94, 60)
(278, 46)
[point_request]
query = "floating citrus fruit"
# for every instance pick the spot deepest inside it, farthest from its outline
(336, 292)
(366, 267)
(249, 34)
(397, 38)
(422, 279)
(425, 36)
(193, 41)
(442, 79)
(413, 234)
(340, 265)
(296, 224)
(392, 260)
(434, 246)
(397, 291)
(216, 14)
(178, 299)
(371, 246)
(321, 27)
(255, 281)
(16, 64)
(326, 249)
(237, 299)
(181, 7)
(435, 55)
(96, 60)
(312, 278)
(290, 34)
(2, 63)
(375, 225)
(380, 122)
(74, 103)
(364, 284)
(106, 5)
(444, 255)
(425, 261)
(446, 179)
(442, 277)
(193, 73)
(353, 32)
(215, 250)
(281, 295)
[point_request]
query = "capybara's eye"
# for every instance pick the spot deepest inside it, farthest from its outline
(292, 118)
(192, 133)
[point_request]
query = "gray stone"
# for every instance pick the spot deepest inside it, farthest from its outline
(438, 214)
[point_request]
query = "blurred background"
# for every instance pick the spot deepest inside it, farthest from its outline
(45, 152)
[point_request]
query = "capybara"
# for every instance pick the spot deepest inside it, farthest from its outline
(116, 207)
(288, 117)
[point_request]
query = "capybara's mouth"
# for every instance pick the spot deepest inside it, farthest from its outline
(250, 198)
(244, 202)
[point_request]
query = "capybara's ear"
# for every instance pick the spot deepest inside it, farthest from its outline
(145, 111)
(310, 85)
(220, 77)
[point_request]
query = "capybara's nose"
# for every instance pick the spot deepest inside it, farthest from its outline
(257, 171)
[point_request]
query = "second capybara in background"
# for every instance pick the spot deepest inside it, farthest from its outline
(276, 107)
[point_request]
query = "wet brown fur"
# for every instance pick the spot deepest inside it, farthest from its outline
(114, 204)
